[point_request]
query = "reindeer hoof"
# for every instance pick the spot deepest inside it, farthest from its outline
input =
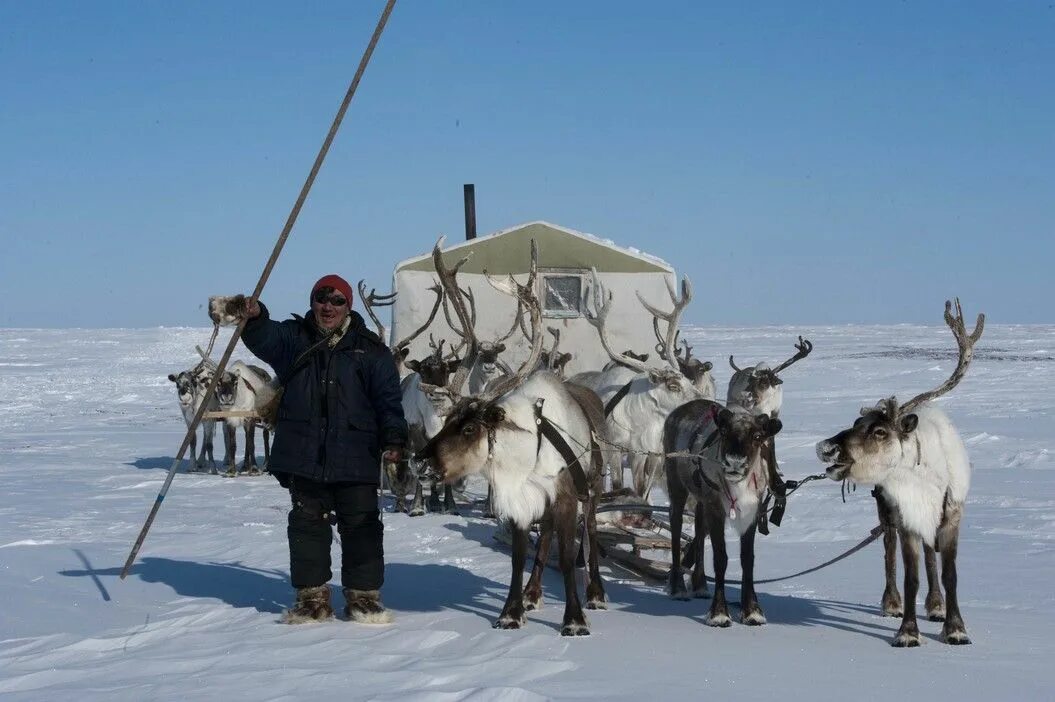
(417, 512)
(955, 638)
(489, 515)
(508, 623)
(753, 618)
(906, 639)
(601, 603)
(720, 620)
(936, 615)
(701, 593)
(892, 605)
(575, 629)
(453, 511)
(676, 588)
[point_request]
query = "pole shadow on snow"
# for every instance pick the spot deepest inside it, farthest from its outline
(165, 462)
(854, 618)
(233, 583)
(90, 571)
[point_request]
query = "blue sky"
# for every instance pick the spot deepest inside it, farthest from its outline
(803, 163)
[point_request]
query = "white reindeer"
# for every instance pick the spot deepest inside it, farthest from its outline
(759, 388)
(916, 459)
(243, 390)
(500, 434)
(637, 397)
(190, 388)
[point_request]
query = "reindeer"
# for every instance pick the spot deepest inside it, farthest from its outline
(426, 402)
(488, 366)
(719, 458)
(402, 349)
(916, 459)
(698, 372)
(190, 388)
(638, 397)
(512, 434)
(758, 388)
(243, 390)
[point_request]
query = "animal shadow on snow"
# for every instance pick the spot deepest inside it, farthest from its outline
(788, 610)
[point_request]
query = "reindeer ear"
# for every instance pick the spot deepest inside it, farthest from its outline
(452, 366)
(723, 418)
(500, 348)
(494, 415)
(172, 377)
(777, 380)
(655, 376)
(707, 365)
(414, 365)
(773, 426)
(403, 352)
(909, 423)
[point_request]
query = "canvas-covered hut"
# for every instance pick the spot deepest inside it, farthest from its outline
(564, 286)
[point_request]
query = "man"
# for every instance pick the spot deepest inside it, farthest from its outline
(340, 411)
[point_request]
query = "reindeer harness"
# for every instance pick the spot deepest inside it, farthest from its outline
(574, 467)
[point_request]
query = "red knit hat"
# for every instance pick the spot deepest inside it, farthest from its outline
(337, 283)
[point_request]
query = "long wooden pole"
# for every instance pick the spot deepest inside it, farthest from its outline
(193, 427)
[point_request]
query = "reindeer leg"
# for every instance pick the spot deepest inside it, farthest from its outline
(639, 474)
(565, 519)
(434, 496)
(193, 451)
(750, 611)
(209, 432)
(954, 631)
(595, 594)
(449, 507)
(719, 614)
(678, 496)
(249, 465)
(615, 465)
(699, 569)
(489, 508)
(908, 634)
(417, 508)
(512, 616)
(267, 450)
(934, 604)
(230, 442)
(891, 602)
(533, 591)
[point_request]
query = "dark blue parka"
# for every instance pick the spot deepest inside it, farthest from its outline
(340, 408)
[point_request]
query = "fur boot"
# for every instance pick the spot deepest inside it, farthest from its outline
(312, 605)
(364, 606)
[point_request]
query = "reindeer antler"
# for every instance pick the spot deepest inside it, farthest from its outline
(448, 279)
(668, 342)
(965, 344)
(527, 297)
(372, 299)
(803, 349)
(554, 351)
(432, 315)
(602, 303)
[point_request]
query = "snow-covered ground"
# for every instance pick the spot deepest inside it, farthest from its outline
(89, 425)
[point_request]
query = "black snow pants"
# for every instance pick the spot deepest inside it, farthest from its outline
(353, 507)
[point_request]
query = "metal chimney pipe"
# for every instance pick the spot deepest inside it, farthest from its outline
(470, 211)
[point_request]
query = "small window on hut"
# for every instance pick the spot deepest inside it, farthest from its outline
(562, 295)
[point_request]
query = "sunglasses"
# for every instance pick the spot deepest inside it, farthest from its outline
(336, 300)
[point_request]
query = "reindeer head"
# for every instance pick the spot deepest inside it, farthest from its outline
(875, 445)
(434, 369)
(467, 439)
(883, 438)
(186, 387)
(758, 388)
(227, 388)
(555, 363)
(742, 436)
(488, 357)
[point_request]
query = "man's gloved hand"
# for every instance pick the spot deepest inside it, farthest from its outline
(227, 310)
(392, 454)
